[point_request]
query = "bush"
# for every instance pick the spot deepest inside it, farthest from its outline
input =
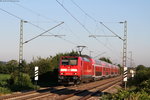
(4, 90)
(127, 95)
(4, 83)
(145, 86)
(142, 74)
(20, 81)
(3, 87)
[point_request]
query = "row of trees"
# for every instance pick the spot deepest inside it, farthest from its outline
(9, 67)
(45, 64)
(141, 79)
(22, 78)
(48, 71)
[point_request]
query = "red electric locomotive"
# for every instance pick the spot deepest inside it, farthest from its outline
(76, 69)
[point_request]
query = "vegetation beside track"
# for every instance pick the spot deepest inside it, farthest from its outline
(14, 78)
(3, 84)
(138, 87)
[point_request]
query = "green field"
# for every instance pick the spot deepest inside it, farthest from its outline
(4, 77)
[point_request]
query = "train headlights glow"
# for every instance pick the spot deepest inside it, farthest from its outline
(74, 70)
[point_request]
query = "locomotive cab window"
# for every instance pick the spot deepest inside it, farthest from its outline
(69, 61)
(73, 62)
(65, 62)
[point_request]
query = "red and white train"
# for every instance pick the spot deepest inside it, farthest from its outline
(77, 69)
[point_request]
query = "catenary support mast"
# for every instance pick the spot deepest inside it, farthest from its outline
(124, 39)
(21, 42)
(125, 53)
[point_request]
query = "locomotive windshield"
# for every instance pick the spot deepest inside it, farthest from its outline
(69, 61)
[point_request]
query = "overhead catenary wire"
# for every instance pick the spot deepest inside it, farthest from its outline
(37, 27)
(40, 27)
(43, 33)
(34, 25)
(90, 18)
(22, 19)
(30, 10)
(110, 30)
(98, 22)
(36, 13)
(73, 33)
(73, 16)
(83, 11)
(11, 14)
(68, 41)
(95, 19)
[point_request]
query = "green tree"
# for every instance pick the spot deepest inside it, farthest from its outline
(55, 60)
(9, 67)
(43, 64)
(140, 67)
(145, 86)
(106, 60)
(142, 74)
(3, 68)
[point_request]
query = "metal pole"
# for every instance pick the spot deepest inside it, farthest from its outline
(125, 45)
(21, 44)
(20, 51)
(124, 60)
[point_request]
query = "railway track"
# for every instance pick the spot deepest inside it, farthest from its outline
(79, 92)
(28, 94)
(90, 90)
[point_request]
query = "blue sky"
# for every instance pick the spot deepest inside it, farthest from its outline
(48, 13)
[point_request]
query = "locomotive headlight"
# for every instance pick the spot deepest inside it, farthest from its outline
(63, 69)
(74, 70)
(75, 73)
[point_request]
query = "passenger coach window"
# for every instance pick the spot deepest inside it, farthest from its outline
(69, 61)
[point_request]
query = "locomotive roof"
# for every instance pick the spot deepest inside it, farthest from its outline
(104, 63)
(69, 56)
(85, 56)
